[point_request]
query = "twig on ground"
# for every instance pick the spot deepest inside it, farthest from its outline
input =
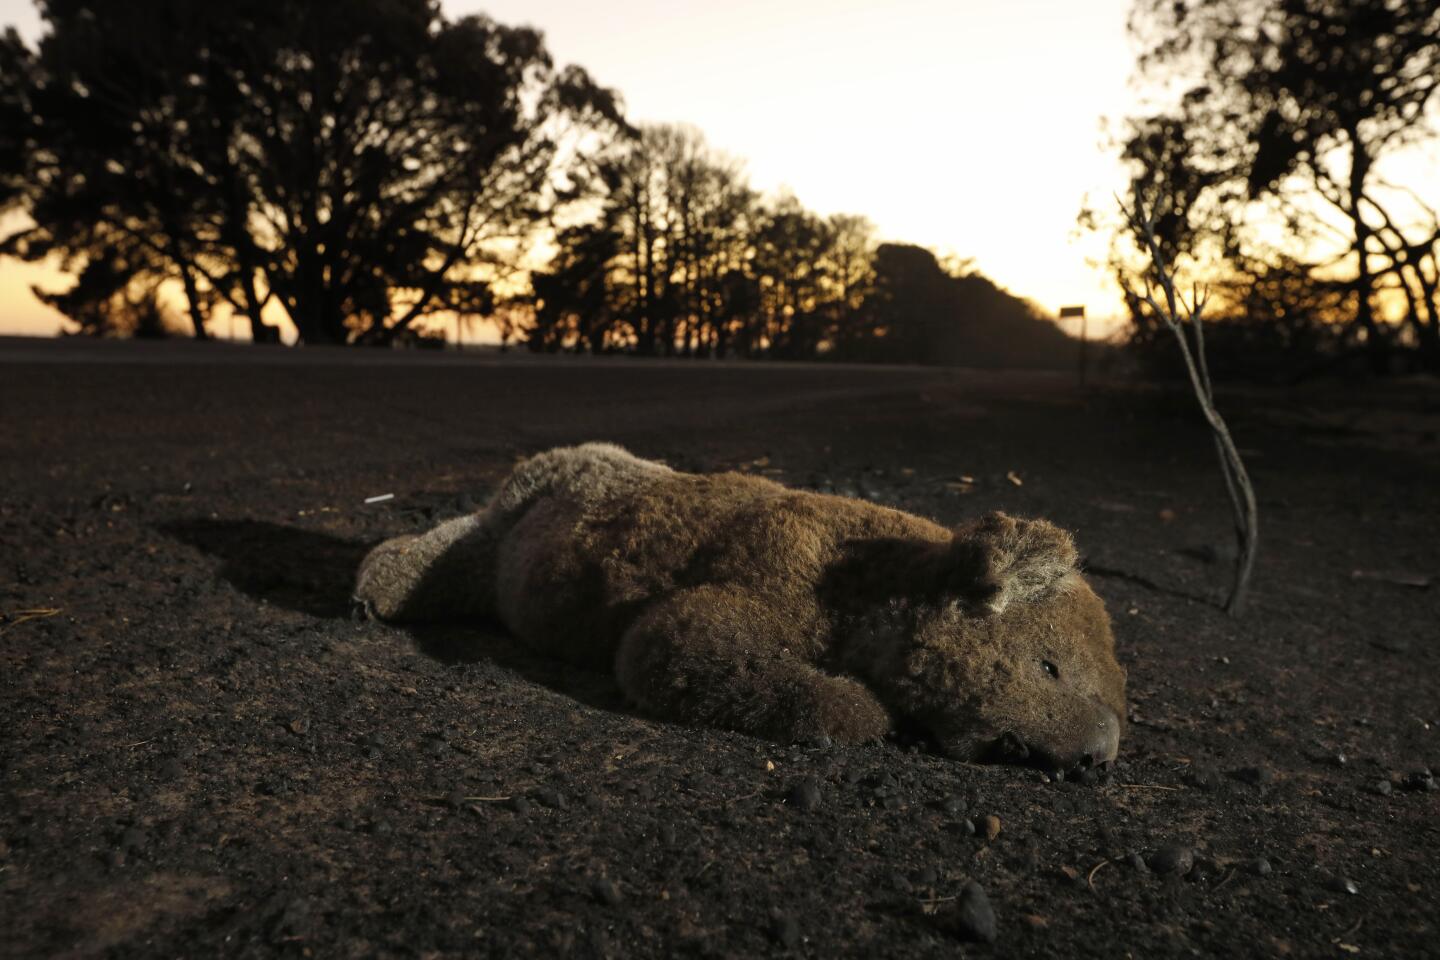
(1090, 877)
(24, 616)
(1148, 786)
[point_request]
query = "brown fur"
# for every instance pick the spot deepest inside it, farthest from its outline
(733, 601)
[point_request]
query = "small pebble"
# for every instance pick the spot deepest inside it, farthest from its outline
(1382, 788)
(991, 826)
(968, 826)
(292, 918)
(1201, 778)
(805, 795)
(275, 787)
(607, 891)
(1255, 776)
(553, 799)
(974, 917)
(300, 726)
(952, 805)
(1261, 867)
(1137, 862)
(1172, 858)
(1204, 870)
(1422, 780)
(1338, 884)
(132, 839)
(823, 742)
(786, 931)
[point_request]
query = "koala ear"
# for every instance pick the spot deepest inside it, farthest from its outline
(999, 560)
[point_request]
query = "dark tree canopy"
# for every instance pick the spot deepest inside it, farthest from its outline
(17, 68)
(358, 162)
(684, 258)
(368, 169)
(1288, 111)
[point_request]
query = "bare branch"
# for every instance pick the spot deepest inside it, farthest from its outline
(1192, 350)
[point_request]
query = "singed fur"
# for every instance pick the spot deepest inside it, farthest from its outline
(733, 601)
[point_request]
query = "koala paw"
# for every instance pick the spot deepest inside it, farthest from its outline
(386, 580)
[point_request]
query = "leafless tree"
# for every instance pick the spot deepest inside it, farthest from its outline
(1185, 320)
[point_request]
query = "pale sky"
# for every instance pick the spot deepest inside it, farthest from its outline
(968, 127)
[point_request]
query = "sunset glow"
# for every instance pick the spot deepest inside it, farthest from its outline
(969, 128)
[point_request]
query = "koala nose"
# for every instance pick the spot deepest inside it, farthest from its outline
(1102, 744)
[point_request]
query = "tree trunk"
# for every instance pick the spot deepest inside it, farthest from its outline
(313, 309)
(1376, 346)
(259, 333)
(1428, 331)
(192, 299)
(237, 232)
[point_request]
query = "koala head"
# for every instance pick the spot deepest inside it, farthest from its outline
(1009, 655)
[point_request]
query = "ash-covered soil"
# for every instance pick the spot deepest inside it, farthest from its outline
(203, 755)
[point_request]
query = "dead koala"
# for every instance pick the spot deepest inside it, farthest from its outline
(733, 601)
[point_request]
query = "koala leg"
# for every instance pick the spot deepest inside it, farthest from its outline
(718, 657)
(447, 573)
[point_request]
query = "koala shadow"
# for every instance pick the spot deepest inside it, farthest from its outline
(484, 642)
(295, 569)
(314, 573)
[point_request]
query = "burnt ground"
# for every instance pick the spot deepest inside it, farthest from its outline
(203, 755)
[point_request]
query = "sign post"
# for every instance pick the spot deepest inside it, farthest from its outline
(1065, 314)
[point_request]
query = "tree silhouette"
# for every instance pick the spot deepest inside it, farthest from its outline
(367, 167)
(574, 298)
(114, 298)
(17, 69)
(684, 258)
(676, 225)
(1292, 107)
(791, 245)
(357, 162)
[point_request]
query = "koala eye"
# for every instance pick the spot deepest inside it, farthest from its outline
(1051, 669)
